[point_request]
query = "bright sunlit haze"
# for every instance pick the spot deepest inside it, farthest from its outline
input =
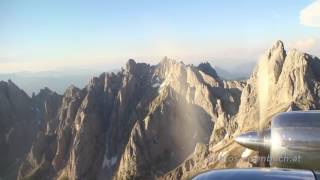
(57, 35)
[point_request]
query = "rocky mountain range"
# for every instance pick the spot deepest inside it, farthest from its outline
(166, 121)
(58, 81)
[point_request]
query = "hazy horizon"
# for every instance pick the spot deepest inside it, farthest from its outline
(58, 36)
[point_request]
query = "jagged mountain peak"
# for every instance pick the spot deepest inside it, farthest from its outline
(47, 91)
(9, 84)
(167, 60)
(71, 91)
(271, 62)
(281, 78)
(278, 45)
(136, 69)
(277, 60)
(130, 65)
(208, 69)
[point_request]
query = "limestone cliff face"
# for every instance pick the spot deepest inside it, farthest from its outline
(139, 123)
(18, 125)
(282, 81)
(165, 121)
(183, 113)
(91, 127)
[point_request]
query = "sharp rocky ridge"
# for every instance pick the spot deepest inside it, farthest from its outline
(164, 121)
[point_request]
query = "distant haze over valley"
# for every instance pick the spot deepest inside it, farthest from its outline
(57, 81)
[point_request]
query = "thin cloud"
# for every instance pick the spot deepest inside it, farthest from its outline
(310, 45)
(38, 66)
(310, 16)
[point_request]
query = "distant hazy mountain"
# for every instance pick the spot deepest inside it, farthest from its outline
(239, 72)
(57, 81)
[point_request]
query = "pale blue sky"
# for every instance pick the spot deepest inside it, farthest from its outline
(50, 35)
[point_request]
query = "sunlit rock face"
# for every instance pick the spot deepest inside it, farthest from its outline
(183, 113)
(282, 81)
(141, 122)
(164, 121)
